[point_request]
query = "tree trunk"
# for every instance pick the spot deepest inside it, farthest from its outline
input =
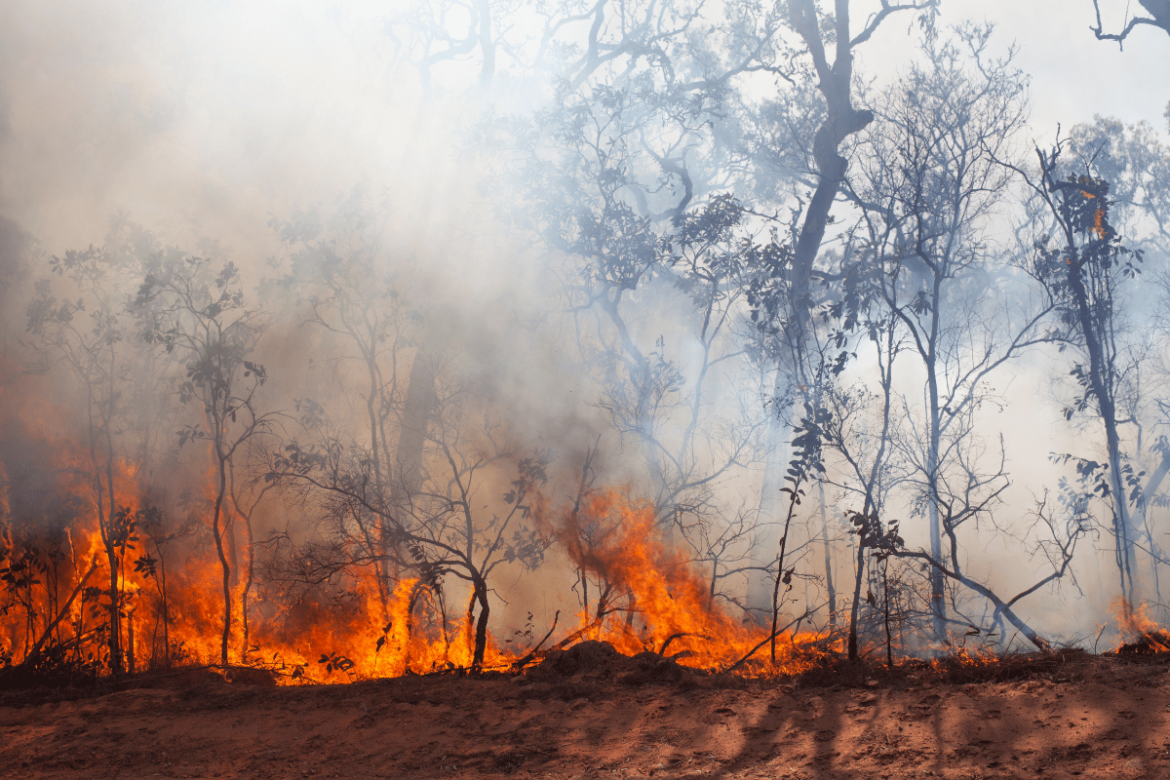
(1097, 371)
(886, 599)
(245, 590)
(938, 604)
(479, 595)
(830, 589)
(218, 532)
(481, 626)
(841, 121)
(416, 415)
(858, 577)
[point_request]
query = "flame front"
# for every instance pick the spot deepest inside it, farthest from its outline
(113, 576)
(653, 599)
(648, 596)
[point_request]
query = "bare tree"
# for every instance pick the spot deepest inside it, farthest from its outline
(928, 186)
(443, 525)
(864, 443)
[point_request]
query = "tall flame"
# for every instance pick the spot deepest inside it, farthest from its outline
(652, 597)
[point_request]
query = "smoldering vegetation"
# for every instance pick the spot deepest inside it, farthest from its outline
(362, 342)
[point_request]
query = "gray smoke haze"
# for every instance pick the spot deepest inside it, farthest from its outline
(202, 121)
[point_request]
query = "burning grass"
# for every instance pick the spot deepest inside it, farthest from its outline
(1142, 636)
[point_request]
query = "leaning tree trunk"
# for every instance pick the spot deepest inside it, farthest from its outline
(841, 121)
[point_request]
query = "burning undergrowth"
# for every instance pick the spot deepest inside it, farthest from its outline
(1142, 637)
(114, 587)
(652, 598)
(104, 577)
(647, 616)
(111, 574)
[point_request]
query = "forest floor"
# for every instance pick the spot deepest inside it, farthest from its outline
(588, 713)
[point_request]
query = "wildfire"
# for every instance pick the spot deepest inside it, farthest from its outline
(121, 585)
(1098, 217)
(1139, 634)
(651, 598)
(111, 583)
(124, 585)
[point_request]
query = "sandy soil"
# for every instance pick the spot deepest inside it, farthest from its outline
(585, 716)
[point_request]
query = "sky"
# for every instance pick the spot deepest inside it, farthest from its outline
(1077, 76)
(1074, 76)
(226, 110)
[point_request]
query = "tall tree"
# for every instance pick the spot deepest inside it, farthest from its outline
(1135, 160)
(840, 119)
(1086, 266)
(928, 185)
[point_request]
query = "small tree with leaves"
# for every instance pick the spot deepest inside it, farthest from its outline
(188, 307)
(87, 336)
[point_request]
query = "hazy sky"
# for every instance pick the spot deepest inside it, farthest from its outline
(1074, 75)
(227, 110)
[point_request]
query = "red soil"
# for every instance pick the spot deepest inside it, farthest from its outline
(591, 715)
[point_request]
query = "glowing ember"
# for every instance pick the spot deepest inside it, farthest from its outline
(1098, 217)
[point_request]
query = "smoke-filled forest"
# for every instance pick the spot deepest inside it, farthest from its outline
(344, 342)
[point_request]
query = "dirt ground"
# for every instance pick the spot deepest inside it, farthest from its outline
(589, 714)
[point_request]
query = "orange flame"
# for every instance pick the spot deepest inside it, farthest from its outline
(1138, 632)
(667, 605)
(1098, 217)
(1098, 223)
(169, 588)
